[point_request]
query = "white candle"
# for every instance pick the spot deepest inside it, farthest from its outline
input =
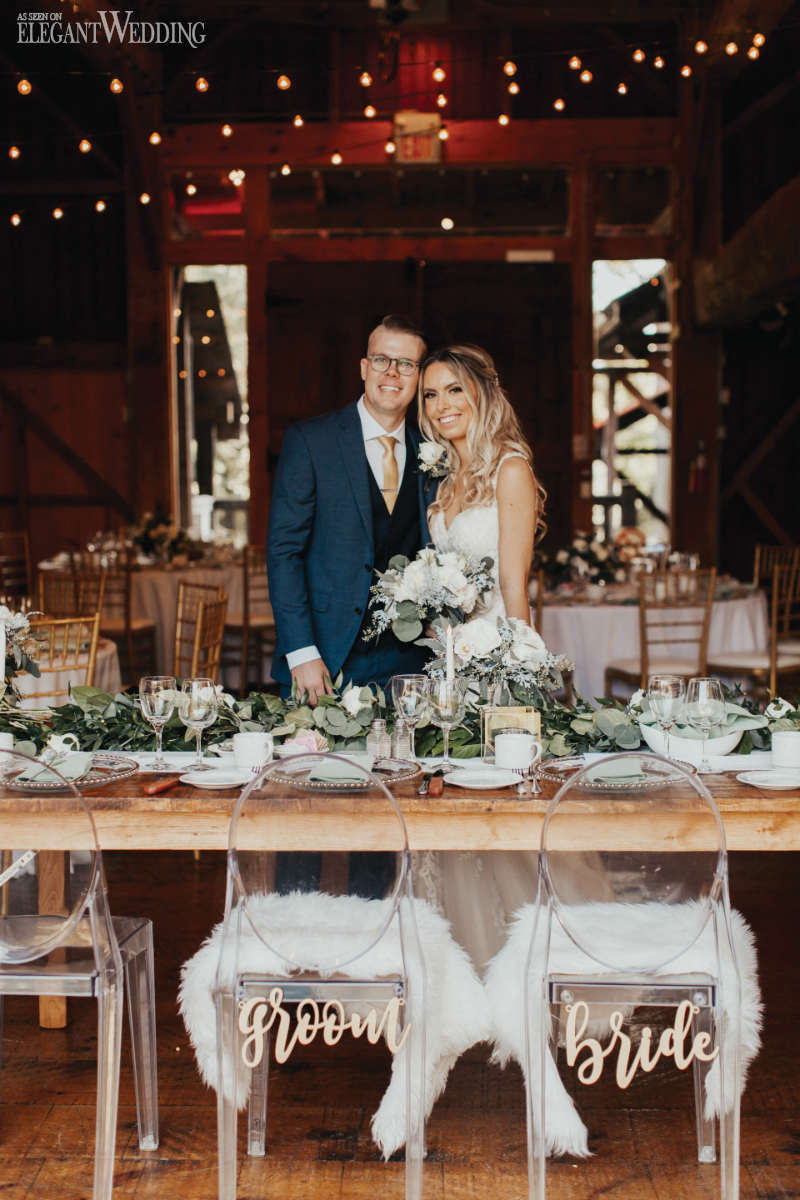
(449, 659)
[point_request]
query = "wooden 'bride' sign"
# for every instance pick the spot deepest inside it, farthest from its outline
(259, 1016)
(672, 1043)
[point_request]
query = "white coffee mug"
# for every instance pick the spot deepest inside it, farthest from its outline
(786, 748)
(252, 749)
(516, 749)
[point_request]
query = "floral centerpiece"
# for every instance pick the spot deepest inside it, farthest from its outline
(586, 559)
(156, 536)
(17, 647)
(502, 655)
(410, 594)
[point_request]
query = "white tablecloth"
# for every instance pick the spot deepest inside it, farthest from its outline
(106, 677)
(593, 635)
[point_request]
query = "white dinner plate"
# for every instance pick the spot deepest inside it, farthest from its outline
(787, 780)
(217, 779)
(493, 777)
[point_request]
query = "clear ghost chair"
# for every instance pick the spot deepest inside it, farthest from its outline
(58, 938)
(337, 928)
(644, 921)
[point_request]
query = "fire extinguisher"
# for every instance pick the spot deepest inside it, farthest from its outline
(698, 471)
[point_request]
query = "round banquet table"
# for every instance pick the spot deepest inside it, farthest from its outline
(106, 677)
(593, 635)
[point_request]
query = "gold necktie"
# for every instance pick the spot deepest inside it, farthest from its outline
(391, 476)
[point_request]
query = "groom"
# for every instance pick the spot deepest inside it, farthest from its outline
(347, 497)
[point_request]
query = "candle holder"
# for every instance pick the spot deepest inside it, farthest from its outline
(506, 716)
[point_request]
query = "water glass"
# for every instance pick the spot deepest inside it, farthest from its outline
(197, 708)
(665, 695)
(705, 709)
(447, 700)
(410, 698)
(157, 700)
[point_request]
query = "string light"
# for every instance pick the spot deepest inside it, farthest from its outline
(701, 47)
(84, 145)
(181, 374)
(144, 198)
(116, 86)
(575, 63)
(365, 79)
(658, 62)
(390, 146)
(639, 55)
(221, 372)
(336, 158)
(298, 121)
(227, 130)
(286, 169)
(16, 219)
(100, 206)
(559, 105)
(284, 82)
(155, 138)
(24, 87)
(369, 111)
(176, 341)
(686, 71)
(201, 374)
(441, 100)
(210, 313)
(58, 214)
(758, 39)
(503, 119)
(585, 76)
(731, 49)
(236, 176)
(176, 312)
(14, 151)
(191, 189)
(201, 83)
(439, 74)
(205, 339)
(510, 67)
(513, 88)
(444, 133)
(622, 89)
(753, 52)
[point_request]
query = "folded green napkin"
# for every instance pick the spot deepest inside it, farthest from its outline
(73, 767)
(736, 717)
(621, 771)
(337, 770)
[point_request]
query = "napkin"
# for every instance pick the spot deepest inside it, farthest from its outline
(736, 717)
(73, 767)
(337, 770)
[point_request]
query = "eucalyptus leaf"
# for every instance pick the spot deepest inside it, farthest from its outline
(406, 631)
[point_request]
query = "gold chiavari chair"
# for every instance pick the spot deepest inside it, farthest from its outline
(780, 659)
(252, 630)
(16, 577)
(66, 655)
(71, 593)
(135, 637)
(767, 557)
(674, 616)
(190, 597)
(209, 632)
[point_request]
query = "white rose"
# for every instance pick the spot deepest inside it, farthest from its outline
(430, 453)
(475, 639)
(778, 708)
(636, 699)
(351, 700)
(452, 561)
(601, 554)
(562, 556)
(412, 584)
(620, 575)
(580, 544)
(467, 597)
(528, 646)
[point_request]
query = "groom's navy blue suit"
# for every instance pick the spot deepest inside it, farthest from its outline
(329, 531)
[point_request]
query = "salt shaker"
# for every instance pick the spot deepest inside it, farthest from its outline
(379, 743)
(402, 746)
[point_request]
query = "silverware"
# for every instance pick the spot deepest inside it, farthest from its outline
(422, 790)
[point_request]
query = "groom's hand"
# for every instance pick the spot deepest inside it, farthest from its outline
(312, 677)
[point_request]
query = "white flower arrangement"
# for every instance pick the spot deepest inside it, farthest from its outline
(17, 646)
(505, 652)
(411, 594)
(432, 460)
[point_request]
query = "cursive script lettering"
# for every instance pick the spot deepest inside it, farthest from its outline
(260, 1015)
(672, 1043)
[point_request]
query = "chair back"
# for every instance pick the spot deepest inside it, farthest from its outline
(208, 634)
(16, 577)
(784, 617)
(66, 654)
(287, 795)
(190, 596)
(674, 616)
(673, 853)
(41, 902)
(57, 592)
(767, 558)
(255, 592)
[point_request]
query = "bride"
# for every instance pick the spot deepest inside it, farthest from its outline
(489, 504)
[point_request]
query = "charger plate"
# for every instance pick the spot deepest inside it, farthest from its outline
(105, 768)
(652, 775)
(295, 772)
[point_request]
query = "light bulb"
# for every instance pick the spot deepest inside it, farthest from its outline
(447, 223)
(731, 48)
(510, 67)
(369, 112)
(191, 189)
(622, 89)
(686, 71)
(236, 176)
(14, 151)
(24, 87)
(753, 52)
(210, 313)
(513, 88)
(336, 158)
(286, 169)
(16, 219)
(758, 39)
(205, 339)
(658, 62)
(298, 121)
(559, 105)
(144, 198)
(284, 82)
(639, 56)
(441, 100)
(701, 47)
(155, 138)
(116, 86)
(585, 76)
(439, 74)
(503, 119)
(201, 83)
(84, 145)
(574, 63)
(100, 206)
(365, 79)
(58, 214)
(444, 133)
(176, 341)
(390, 147)
(202, 373)
(182, 374)
(221, 372)
(227, 130)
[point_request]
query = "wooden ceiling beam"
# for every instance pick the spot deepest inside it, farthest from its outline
(758, 267)
(762, 105)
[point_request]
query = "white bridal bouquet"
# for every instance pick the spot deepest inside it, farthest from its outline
(410, 594)
(499, 653)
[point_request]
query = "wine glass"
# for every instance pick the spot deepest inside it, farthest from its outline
(705, 709)
(157, 699)
(197, 708)
(409, 696)
(447, 698)
(665, 695)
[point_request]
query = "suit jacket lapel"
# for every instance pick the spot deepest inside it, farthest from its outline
(353, 455)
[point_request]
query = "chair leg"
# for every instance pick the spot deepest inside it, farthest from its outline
(257, 1105)
(226, 1095)
(729, 1087)
(706, 1127)
(415, 1103)
(109, 1041)
(140, 982)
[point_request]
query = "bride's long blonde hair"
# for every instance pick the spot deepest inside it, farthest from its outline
(493, 431)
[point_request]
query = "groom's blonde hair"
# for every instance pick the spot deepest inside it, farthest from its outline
(493, 432)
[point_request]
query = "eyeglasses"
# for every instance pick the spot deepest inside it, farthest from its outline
(380, 363)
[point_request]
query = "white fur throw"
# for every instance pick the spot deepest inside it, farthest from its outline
(613, 933)
(306, 926)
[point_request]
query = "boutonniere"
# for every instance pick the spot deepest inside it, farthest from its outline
(432, 460)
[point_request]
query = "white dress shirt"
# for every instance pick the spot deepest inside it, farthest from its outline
(371, 431)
